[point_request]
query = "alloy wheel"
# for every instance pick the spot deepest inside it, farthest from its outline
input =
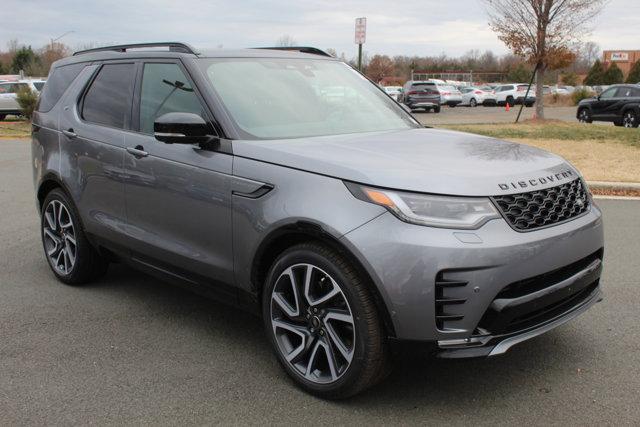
(584, 116)
(629, 120)
(312, 323)
(59, 237)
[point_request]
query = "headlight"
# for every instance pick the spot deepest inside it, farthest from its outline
(431, 210)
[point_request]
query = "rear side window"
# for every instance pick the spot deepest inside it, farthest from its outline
(57, 84)
(165, 89)
(108, 100)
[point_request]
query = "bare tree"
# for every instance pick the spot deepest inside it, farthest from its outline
(286, 41)
(542, 31)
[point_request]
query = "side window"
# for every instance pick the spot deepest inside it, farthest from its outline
(108, 100)
(609, 93)
(635, 93)
(4, 88)
(165, 89)
(57, 84)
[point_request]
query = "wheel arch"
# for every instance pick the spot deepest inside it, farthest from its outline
(48, 183)
(286, 236)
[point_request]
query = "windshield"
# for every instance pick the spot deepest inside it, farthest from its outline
(273, 98)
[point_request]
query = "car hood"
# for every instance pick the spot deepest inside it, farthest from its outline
(421, 160)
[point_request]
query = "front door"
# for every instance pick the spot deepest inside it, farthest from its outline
(177, 196)
(602, 107)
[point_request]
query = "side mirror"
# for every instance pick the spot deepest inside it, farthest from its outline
(181, 128)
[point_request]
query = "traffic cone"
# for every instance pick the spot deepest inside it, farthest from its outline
(507, 107)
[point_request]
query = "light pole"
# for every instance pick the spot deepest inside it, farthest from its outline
(59, 37)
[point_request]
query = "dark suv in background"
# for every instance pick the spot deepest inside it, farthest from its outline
(619, 104)
(425, 95)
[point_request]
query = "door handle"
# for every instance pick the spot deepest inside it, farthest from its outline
(69, 133)
(138, 151)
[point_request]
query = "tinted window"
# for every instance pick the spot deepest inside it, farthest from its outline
(39, 85)
(635, 92)
(5, 88)
(609, 93)
(108, 100)
(57, 84)
(165, 89)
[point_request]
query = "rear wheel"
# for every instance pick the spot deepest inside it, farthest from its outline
(323, 323)
(584, 116)
(630, 119)
(473, 102)
(436, 109)
(70, 255)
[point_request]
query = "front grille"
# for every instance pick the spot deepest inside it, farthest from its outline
(541, 208)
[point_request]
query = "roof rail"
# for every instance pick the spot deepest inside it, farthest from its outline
(302, 49)
(173, 47)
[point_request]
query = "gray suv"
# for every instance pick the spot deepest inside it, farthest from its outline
(286, 183)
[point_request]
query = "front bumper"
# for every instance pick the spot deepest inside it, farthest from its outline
(408, 263)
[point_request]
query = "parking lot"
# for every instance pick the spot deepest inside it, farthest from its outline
(468, 115)
(132, 350)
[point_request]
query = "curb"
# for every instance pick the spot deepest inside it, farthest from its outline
(615, 186)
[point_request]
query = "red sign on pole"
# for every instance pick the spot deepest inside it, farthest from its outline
(361, 30)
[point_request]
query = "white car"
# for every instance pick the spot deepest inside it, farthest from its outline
(8, 95)
(514, 93)
(449, 95)
(393, 91)
(474, 96)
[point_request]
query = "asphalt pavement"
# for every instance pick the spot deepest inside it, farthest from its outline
(130, 350)
(467, 115)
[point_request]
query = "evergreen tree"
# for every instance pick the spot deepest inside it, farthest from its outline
(634, 74)
(613, 75)
(595, 75)
(519, 74)
(23, 58)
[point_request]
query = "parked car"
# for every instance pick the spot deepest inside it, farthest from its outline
(449, 95)
(513, 94)
(345, 225)
(619, 104)
(8, 95)
(421, 94)
(474, 96)
(393, 91)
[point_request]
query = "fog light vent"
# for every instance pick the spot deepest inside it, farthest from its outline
(447, 303)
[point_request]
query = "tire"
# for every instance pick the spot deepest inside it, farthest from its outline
(72, 263)
(473, 103)
(436, 109)
(302, 329)
(510, 101)
(630, 119)
(2, 117)
(584, 116)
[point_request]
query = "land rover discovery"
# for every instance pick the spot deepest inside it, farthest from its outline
(285, 182)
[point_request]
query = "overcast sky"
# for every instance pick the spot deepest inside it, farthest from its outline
(425, 27)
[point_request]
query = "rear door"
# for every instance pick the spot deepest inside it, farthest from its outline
(92, 124)
(178, 197)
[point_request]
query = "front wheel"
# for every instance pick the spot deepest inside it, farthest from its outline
(436, 109)
(70, 255)
(584, 116)
(322, 322)
(473, 102)
(630, 120)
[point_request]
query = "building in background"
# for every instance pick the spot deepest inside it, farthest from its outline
(624, 59)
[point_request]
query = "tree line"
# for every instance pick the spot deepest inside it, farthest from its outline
(33, 62)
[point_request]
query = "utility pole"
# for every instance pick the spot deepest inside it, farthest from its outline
(361, 35)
